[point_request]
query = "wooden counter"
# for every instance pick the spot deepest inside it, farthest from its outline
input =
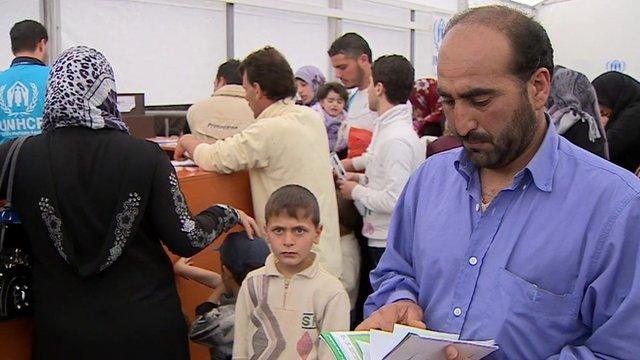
(201, 189)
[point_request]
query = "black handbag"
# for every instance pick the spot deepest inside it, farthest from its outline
(15, 260)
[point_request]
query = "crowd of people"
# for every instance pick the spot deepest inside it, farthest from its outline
(522, 226)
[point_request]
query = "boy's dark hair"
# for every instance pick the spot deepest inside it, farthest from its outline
(295, 201)
(229, 71)
(269, 68)
(530, 44)
(350, 45)
(334, 86)
(26, 34)
(239, 276)
(396, 73)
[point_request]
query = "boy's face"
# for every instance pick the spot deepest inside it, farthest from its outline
(333, 104)
(291, 241)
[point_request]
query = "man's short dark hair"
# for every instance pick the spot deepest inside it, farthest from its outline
(396, 73)
(269, 68)
(239, 276)
(295, 201)
(350, 45)
(228, 70)
(530, 43)
(26, 34)
(334, 86)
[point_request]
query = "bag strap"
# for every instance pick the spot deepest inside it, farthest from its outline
(8, 160)
(14, 161)
(12, 158)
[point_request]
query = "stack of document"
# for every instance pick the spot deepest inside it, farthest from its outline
(403, 343)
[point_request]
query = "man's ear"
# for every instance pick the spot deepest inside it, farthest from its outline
(379, 88)
(540, 84)
(258, 90)
(363, 59)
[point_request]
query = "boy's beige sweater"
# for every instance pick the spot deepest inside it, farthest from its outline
(278, 318)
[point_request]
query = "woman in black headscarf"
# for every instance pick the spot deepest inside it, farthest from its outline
(95, 203)
(619, 100)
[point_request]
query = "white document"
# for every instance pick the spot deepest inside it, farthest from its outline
(416, 347)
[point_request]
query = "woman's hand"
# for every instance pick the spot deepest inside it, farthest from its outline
(250, 225)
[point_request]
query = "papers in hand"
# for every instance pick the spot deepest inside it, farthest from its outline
(184, 163)
(403, 343)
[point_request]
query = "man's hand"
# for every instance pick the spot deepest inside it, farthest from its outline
(451, 353)
(403, 312)
(250, 225)
(345, 188)
(347, 164)
(186, 144)
(352, 176)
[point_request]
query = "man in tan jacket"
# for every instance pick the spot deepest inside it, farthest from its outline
(226, 112)
(286, 145)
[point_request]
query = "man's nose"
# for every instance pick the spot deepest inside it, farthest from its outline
(464, 119)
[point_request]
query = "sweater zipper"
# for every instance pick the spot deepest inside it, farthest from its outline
(286, 290)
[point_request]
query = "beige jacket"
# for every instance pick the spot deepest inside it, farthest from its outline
(224, 114)
(278, 318)
(286, 145)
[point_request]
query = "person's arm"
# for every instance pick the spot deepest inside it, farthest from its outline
(184, 234)
(397, 160)
(241, 324)
(184, 267)
(248, 149)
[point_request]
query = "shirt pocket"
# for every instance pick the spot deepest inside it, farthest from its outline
(528, 299)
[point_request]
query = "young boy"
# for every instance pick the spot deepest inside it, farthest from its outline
(283, 307)
(332, 98)
(213, 326)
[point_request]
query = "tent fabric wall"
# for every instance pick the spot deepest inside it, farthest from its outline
(301, 38)
(168, 50)
(11, 12)
(594, 36)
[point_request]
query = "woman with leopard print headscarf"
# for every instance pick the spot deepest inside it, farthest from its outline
(95, 203)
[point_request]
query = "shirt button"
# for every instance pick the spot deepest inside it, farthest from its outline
(457, 311)
(524, 187)
(473, 261)
(477, 207)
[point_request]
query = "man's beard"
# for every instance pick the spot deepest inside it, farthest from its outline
(509, 144)
(357, 81)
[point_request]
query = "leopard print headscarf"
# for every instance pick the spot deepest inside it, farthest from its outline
(81, 92)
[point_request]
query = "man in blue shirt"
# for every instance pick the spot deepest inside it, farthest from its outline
(519, 236)
(24, 84)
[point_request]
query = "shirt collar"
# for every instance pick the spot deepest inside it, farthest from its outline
(27, 60)
(232, 90)
(394, 112)
(310, 272)
(276, 109)
(542, 166)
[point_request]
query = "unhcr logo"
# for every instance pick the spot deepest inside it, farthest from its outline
(616, 65)
(18, 99)
(438, 34)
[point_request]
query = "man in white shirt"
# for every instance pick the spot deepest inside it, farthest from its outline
(350, 57)
(395, 152)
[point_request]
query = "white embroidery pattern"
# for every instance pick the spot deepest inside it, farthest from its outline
(53, 224)
(197, 236)
(124, 222)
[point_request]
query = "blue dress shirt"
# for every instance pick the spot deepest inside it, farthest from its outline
(550, 270)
